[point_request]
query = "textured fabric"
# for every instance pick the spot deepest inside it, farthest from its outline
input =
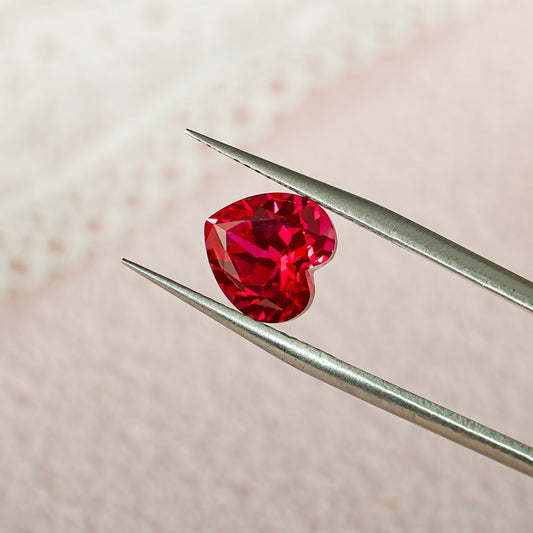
(122, 409)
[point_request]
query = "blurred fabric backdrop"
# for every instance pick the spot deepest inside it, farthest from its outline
(121, 409)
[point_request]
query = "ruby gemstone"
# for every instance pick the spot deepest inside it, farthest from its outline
(262, 251)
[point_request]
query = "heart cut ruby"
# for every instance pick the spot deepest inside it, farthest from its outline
(262, 251)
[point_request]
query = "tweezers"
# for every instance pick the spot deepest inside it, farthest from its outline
(340, 374)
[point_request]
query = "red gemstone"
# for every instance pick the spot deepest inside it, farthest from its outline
(262, 251)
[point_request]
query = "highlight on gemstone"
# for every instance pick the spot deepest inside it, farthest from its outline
(263, 250)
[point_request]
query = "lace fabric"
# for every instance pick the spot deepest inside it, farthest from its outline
(96, 95)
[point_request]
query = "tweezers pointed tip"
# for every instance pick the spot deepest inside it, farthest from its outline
(131, 264)
(199, 137)
(220, 313)
(177, 289)
(146, 273)
(288, 178)
(223, 148)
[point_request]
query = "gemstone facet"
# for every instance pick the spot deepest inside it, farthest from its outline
(262, 250)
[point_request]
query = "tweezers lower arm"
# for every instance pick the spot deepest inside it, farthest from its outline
(352, 380)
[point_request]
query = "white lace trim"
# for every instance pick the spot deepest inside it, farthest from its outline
(97, 94)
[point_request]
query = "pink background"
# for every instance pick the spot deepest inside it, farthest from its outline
(122, 409)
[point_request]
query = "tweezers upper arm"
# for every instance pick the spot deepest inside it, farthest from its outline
(389, 225)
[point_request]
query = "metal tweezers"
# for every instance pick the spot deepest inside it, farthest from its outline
(340, 374)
